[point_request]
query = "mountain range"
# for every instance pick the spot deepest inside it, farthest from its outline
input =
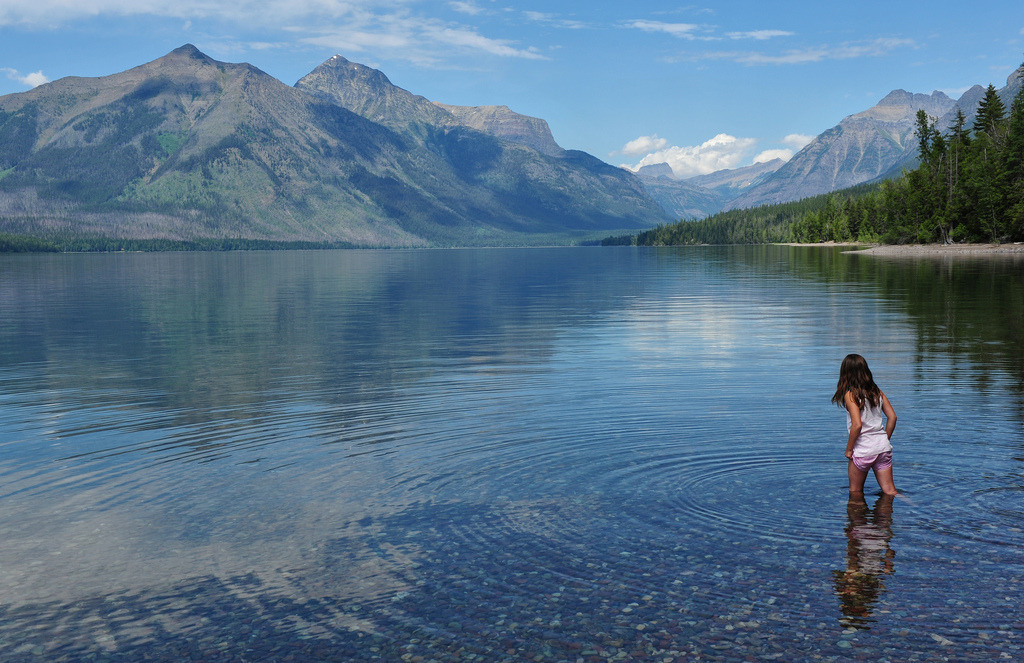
(188, 148)
(874, 144)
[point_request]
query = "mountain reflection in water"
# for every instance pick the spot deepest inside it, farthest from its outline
(503, 455)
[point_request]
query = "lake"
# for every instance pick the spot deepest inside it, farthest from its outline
(582, 454)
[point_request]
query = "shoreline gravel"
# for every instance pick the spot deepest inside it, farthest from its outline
(928, 250)
(944, 250)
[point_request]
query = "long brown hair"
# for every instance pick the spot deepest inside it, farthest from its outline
(855, 377)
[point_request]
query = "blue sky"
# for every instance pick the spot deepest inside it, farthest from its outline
(709, 85)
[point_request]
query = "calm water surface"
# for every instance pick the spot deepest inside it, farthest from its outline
(490, 455)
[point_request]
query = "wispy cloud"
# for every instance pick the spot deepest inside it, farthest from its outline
(684, 30)
(694, 31)
(262, 45)
(847, 51)
(50, 13)
(472, 40)
(350, 38)
(554, 20)
(405, 35)
(470, 8)
(34, 79)
(760, 35)
(405, 30)
(540, 17)
(722, 151)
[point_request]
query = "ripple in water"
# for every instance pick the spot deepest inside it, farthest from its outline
(556, 464)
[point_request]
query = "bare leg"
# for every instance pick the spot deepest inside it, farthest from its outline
(857, 477)
(885, 481)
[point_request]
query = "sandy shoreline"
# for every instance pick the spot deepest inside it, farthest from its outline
(929, 250)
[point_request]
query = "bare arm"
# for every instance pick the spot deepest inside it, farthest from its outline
(855, 424)
(890, 416)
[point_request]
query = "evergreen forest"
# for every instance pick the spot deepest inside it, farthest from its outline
(968, 187)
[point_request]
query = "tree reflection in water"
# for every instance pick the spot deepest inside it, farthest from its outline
(869, 558)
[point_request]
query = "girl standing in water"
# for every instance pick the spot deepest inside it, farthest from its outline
(868, 446)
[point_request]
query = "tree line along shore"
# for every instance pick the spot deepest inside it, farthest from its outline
(967, 188)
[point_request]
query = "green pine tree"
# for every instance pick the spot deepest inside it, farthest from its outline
(990, 116)
(1014, 168)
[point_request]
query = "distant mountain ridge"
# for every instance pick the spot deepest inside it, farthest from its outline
(732, 180)
(860, 148)
(875, 144)
(186, 147)
(679, 198)
(702, 195)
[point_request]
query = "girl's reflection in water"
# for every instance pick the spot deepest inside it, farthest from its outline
(868, 559)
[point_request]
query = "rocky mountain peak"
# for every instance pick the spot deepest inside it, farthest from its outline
(504, 123)
(1016, 78)
(185, 60)
(338, 71)
(904, 98)
(860, 148)
(368, 92)
(969, 100)
(900, 104)
(896, 98)
(190, 52)
(656, 170)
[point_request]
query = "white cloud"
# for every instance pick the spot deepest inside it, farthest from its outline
(760, 35)
(359, 40)
(685, 30)
(554, 19)
(722, 151)
(401, 28)
(472, 40)
(874, 48)
(52, 13)
(416, 38)
(772, 155)
(643, 145)
(694, 31)
(262, 45)
(34, 79)
(466, 8)
(798, 141)
(540, 17)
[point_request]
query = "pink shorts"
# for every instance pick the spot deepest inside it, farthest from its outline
(882, 461)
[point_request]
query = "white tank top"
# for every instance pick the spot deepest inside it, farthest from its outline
(872, 440)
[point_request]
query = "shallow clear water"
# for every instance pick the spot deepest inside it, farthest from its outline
(544, 454)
